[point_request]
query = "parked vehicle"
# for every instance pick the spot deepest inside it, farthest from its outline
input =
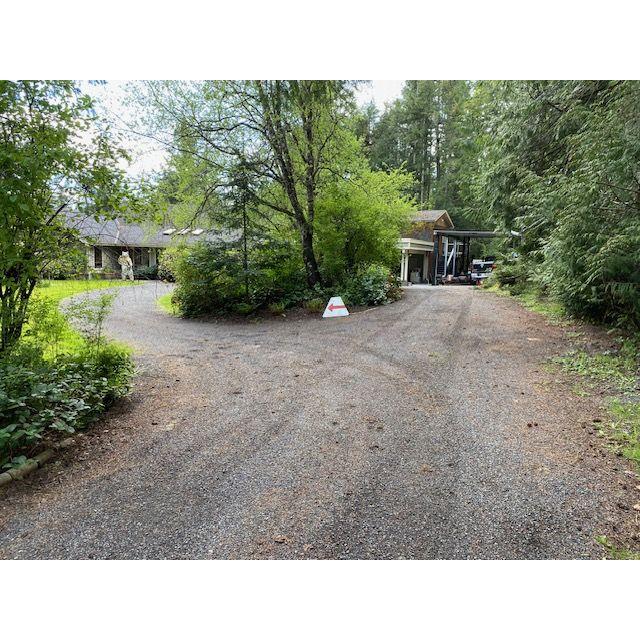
(481, 269)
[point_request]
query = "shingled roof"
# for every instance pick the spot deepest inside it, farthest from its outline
(118, 233)
(432, 215)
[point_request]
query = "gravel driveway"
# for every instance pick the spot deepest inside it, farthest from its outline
(398, 432)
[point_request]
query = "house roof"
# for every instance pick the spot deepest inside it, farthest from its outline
(433, 215)
(116, 232)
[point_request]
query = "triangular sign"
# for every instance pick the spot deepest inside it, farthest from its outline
(335, 308)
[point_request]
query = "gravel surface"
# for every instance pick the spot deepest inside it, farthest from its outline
(398, 432)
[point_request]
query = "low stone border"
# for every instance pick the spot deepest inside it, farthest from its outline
(34, 463)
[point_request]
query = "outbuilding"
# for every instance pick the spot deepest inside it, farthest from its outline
(419, 245)
(432, 250)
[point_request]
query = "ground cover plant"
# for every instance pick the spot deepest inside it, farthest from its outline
(62, 374)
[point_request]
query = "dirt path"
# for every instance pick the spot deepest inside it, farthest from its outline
(399, 432)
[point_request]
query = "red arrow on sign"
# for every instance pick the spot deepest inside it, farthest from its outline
(333, 307)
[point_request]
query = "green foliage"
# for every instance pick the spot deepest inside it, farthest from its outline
(112, 362)
(167, 263)
(71, 263)
(212, 278)
(315, 304)
(277, 141)
(281, 176)
(165, 302)
(58, 290)
(53, 157)
(55, 380)
(373, 285)
(617, 369)
(560, 163)
(557, 161)
(46, 326)
(624, 429)
(533, 299)
(428, 132)
(276, 308)
(146, 273)
(243, 308)
(513, 275)
(616, 553)
(47, 329)
(359, 222)
(39, 398)
(88, 315)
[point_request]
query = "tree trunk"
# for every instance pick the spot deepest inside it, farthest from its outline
(245, 253)
(13, 313)
(308, 256)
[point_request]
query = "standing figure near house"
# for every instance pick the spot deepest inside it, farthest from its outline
(127, 266)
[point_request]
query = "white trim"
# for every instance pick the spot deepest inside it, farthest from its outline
(415, 245)
(404, 266)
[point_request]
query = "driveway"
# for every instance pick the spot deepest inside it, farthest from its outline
(398, 432)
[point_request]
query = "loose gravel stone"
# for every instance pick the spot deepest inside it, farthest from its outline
(399, 432)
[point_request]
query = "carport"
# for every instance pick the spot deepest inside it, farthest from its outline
(455, 258)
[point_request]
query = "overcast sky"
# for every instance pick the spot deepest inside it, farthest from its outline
(380, 91)
(149, 157)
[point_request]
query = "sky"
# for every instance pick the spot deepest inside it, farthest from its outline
(148, 157)
(380, 91)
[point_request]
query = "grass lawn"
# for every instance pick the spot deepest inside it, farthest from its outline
(59, 289)
(67, 340)
(164, 302)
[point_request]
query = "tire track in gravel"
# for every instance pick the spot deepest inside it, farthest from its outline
(395, 432)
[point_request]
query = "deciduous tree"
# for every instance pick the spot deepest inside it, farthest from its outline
(53, 159)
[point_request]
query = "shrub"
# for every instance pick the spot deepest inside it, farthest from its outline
(512, 274)
(243, 308)
(359, 220)
(168, 262)
(146, 273)
(46, 327)
(315, 304)
(112, 362)
(88, 316)
(276, 308)
(40, 398)
(56, 380)
(373, 285)
(212, 279)
(71, 264)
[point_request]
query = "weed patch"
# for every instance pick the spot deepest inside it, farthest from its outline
(624, 429)
(532, 299)
(615, 553)
(615, 369)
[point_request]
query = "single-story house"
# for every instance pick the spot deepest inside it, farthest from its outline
(105, 240)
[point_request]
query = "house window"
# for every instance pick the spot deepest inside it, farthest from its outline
(97, 257)
(140, 256)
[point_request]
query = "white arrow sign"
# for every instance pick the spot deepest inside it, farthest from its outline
(335, 308)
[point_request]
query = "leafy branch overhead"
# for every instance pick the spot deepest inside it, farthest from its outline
(289, 137)
(55, 158)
